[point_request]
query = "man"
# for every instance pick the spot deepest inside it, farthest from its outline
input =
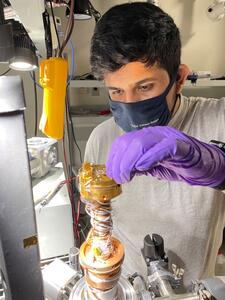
(159, 133)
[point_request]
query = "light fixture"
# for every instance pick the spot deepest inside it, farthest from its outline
(216, 11)
(16, 47)
(25, 58)
(6, 40)
(82, 10)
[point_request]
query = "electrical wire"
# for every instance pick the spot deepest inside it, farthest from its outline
(70, 123)
(78, 210)
(4, 73)
(69, 29)
(2, 16)
(44, 200)
(73, 62)
(53, 17)
(74, 138)
(48, 34)
(35, 106)
(31, 76)
(96, 14)
(68, 126)
(74, 215)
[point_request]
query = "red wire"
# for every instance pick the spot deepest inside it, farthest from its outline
(75, 215)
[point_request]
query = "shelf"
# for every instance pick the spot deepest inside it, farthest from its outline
(205, 83)
(86, 83)
(188, 84)
(89, 120)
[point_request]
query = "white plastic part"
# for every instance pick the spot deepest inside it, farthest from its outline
(56, 276)
(216, 10)
(220, 265)
(155, 2)
(44, 150)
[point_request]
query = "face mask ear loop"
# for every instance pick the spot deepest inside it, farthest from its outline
(177, 95)
(172, 110)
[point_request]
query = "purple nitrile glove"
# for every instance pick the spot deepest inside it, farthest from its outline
(165, 153)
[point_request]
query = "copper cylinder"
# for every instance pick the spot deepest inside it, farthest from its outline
(100, 274)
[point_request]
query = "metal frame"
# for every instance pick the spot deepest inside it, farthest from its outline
(19, 253)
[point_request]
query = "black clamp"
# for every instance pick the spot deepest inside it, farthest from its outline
(221, 146)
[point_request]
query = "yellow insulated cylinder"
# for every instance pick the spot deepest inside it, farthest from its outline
(53, 79)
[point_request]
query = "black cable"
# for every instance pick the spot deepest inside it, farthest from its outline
(2, 16)
(36, 106)
(96, 14)
(31, 76)
(75, 141)
(68, 137)
(4, 73)
(70, 171)
(48, 35)
(70, 123)
(69, 28)
(70, 193)
(53, 17)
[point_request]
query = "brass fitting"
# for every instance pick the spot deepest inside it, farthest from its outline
(95, 185)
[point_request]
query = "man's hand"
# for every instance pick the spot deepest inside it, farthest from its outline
(165, 153)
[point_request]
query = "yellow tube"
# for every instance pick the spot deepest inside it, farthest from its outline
(53, 79)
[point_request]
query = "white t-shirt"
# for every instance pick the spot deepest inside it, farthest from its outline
(189, 218)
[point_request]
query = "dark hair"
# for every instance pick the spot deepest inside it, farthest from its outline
(135, 31)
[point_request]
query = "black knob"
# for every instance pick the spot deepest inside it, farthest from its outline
(153, 247)
(159, 245)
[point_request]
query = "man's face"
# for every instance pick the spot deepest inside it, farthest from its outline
(135, 82)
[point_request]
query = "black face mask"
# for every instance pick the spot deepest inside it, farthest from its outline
(150, 112)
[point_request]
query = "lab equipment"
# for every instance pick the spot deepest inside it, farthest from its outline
(19, 252)
(101, 261)
(53, 214)
(155, 2)
(53, 79)
(6, 41)
(216, 10)
(43, 155)
(101, 255)
(58, 279)
(160, 283)
(74, 258)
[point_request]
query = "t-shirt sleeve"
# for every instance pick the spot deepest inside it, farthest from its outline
(90, 154)
(99, 142)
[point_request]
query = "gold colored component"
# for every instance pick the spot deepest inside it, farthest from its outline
(101, 255)
(95, 185)
(30, 241)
